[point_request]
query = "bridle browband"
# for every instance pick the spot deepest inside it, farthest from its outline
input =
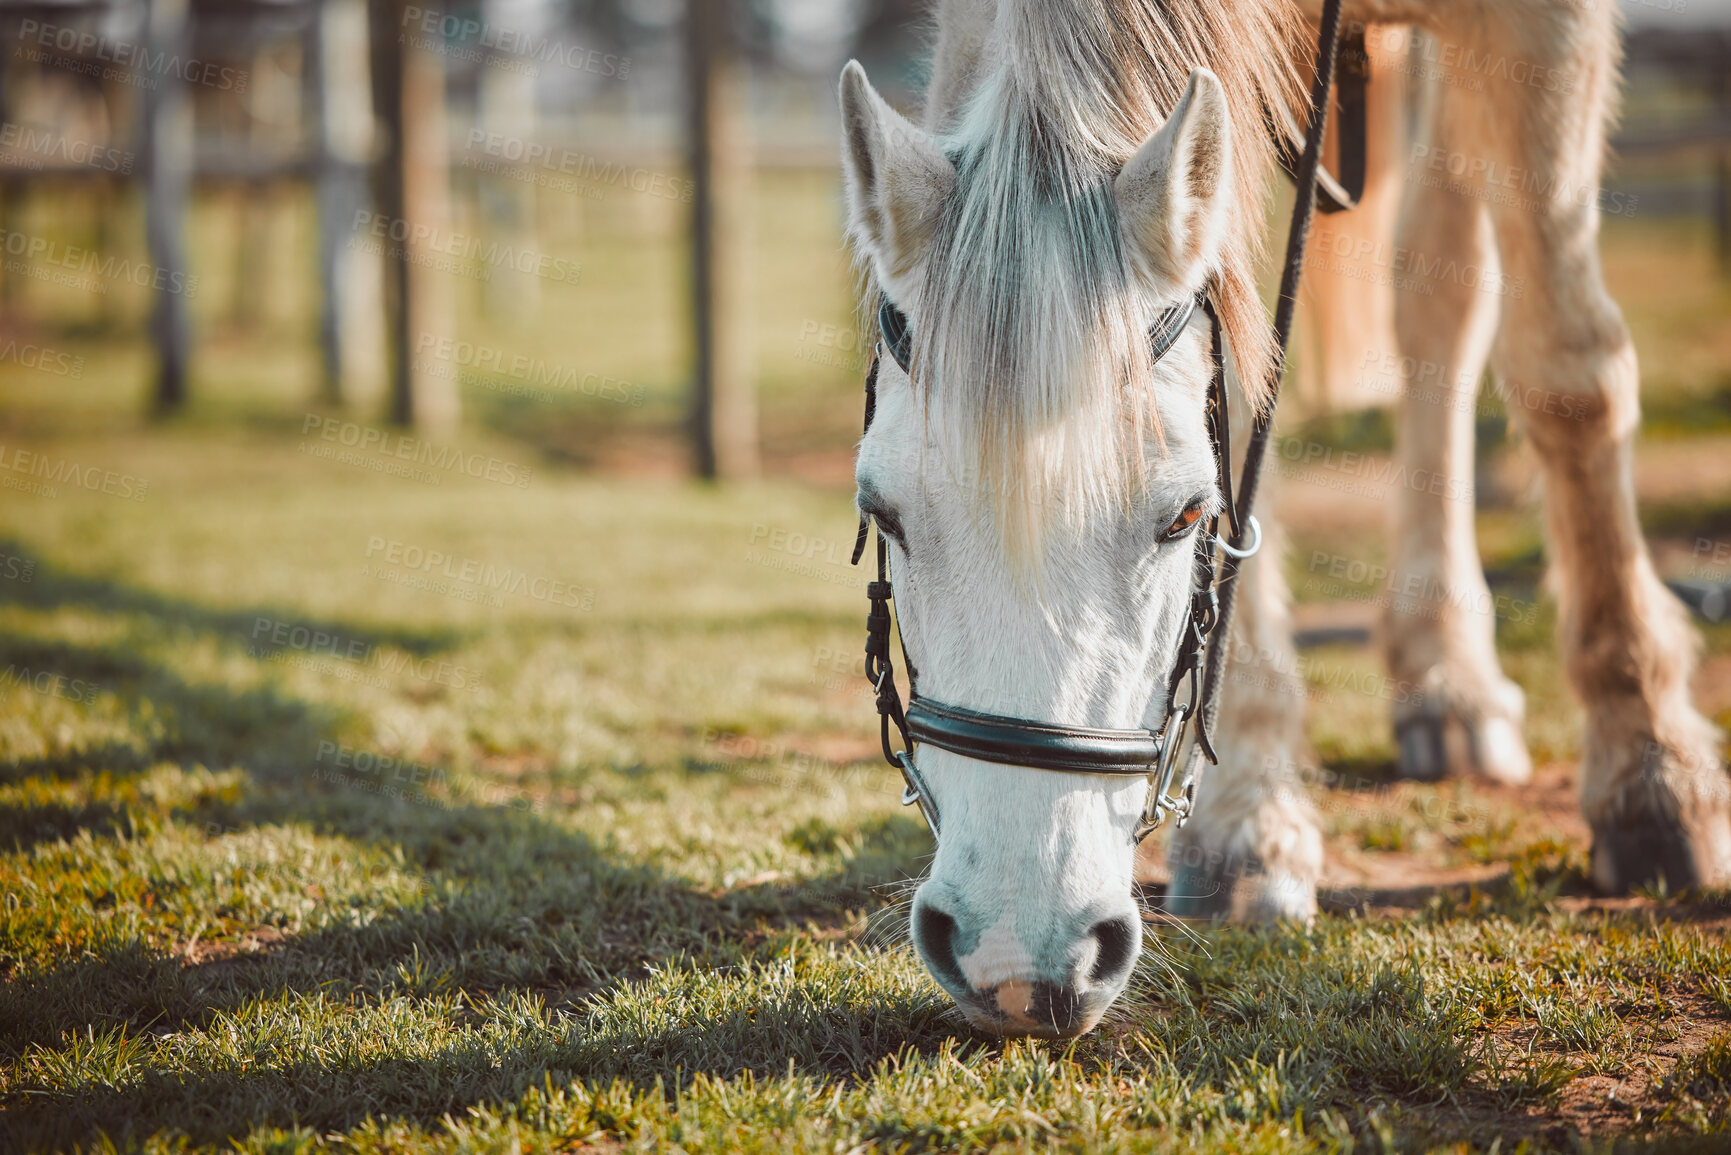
(1048, 745)
(1157, 754)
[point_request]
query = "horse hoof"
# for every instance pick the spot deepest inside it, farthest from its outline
(1197, 891)
(1240, 895)
(1445, 734)
(1422, 740)
(1281, 897)
(1649, 837)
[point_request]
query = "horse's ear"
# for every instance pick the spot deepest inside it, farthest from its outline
(897, 179)
(1174, 195)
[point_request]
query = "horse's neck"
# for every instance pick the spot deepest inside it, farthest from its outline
(1099, 67)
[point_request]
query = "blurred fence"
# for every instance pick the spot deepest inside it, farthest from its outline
(1685, 73)
(389, 112)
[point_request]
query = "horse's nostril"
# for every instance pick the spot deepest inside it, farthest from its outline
(1059, 1007)
(934, 933)
(1118, 939)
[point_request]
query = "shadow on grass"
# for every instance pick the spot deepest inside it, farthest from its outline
(638, 958)
(213, 1103)
(512, 903)
(173, 720)
(24, 826)
(1696, 519)
(50, 587)
(517, 906)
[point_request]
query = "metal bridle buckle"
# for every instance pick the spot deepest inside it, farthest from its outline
(1248, 551)
(1160, 803)
(916, 790)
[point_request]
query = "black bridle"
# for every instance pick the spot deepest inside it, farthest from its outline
(1158, 754)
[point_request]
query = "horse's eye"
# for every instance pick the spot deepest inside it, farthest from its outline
(1188, 518)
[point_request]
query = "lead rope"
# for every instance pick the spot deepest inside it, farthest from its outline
(1303, 209)
(1210, 623)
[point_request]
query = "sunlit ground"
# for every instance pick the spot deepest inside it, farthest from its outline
(353, 809)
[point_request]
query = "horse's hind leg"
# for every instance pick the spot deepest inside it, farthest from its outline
(1652, 787)
(1252, 849)
(1461, 713)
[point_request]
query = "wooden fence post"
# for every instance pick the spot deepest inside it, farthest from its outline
(1720, 82)
(348, 303)
(505, 104)
(724, 402)
(411, 193)
(168, 188)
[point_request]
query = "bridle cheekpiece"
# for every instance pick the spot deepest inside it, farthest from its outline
(1163, 755)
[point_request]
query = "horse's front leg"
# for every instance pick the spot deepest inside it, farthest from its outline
(1462, 714)
(1252, 849)
(1653, 788)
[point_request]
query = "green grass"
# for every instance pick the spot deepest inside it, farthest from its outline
(642, 884)
(635, 876)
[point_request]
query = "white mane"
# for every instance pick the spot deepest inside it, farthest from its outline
(1030, 329)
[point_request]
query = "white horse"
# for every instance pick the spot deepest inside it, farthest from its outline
(1081, 166)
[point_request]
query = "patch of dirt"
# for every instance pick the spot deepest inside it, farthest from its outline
(1390, 883)
(1709, 914)
(1601, 1105)
(1588, 1107)
(203, 952)
(1393, 883)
